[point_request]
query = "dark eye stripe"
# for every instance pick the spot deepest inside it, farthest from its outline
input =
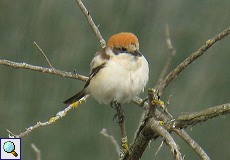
(117, 51)
(124, 49)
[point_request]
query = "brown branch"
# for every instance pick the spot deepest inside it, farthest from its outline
(91, 23)
(193, 144)
(43, 69)
(173, 74)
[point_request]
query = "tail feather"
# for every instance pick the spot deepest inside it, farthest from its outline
(76, 97)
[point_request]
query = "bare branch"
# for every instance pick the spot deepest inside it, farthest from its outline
(37, 151)
(43, 69)
(193, 144)
(58, 116)
(159, 148)
(91, 23)
(145, 133)
(112, 139)
(173, 74)
(201, 116)
(172, 53)
(41, 51)
(169, 42)
(121, 121)
(157, 128)
(150, 130)
(140, 143)
(11, 134)
(141, 103)
(144, 136)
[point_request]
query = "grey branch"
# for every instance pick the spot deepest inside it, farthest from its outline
(201, 116)
(146, 133)
(37, 151)
(157, 128)
(43, 69)
(173, 74)
(41, 51)
(91, 23)
(149, 129)
(193, 144)
(112, 139)
(58, 116)
(193, 118)
(172, 53)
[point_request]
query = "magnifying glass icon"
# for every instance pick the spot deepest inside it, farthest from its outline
(9, 147)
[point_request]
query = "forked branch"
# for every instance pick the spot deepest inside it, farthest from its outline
(173, 74)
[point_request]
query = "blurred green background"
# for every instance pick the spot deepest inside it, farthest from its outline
(62, 31)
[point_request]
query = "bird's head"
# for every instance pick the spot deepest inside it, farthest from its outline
(124, 42)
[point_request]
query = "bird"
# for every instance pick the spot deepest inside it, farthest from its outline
(118, 73)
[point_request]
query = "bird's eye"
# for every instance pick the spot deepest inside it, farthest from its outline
(124, 49)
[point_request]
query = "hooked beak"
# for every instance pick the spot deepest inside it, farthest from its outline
(137, 53)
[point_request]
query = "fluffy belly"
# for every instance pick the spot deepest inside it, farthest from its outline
(118, 84)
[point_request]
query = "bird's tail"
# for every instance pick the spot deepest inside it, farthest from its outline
(76, 97)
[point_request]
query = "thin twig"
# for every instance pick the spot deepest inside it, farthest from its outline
(43, 69)
(37, 151)
(169, 42)
(41, 51)
(159, 148)
(112, 139)
(173, 74)
(11, 134)
(172, 53)
(91, 23)
(58, 116)
(193, 144)
(142, 117)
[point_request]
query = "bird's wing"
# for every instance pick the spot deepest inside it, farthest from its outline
(97, 63)
(100, 58)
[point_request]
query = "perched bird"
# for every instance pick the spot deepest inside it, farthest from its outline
(118, 72)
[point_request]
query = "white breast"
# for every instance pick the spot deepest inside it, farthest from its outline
(122, 79)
